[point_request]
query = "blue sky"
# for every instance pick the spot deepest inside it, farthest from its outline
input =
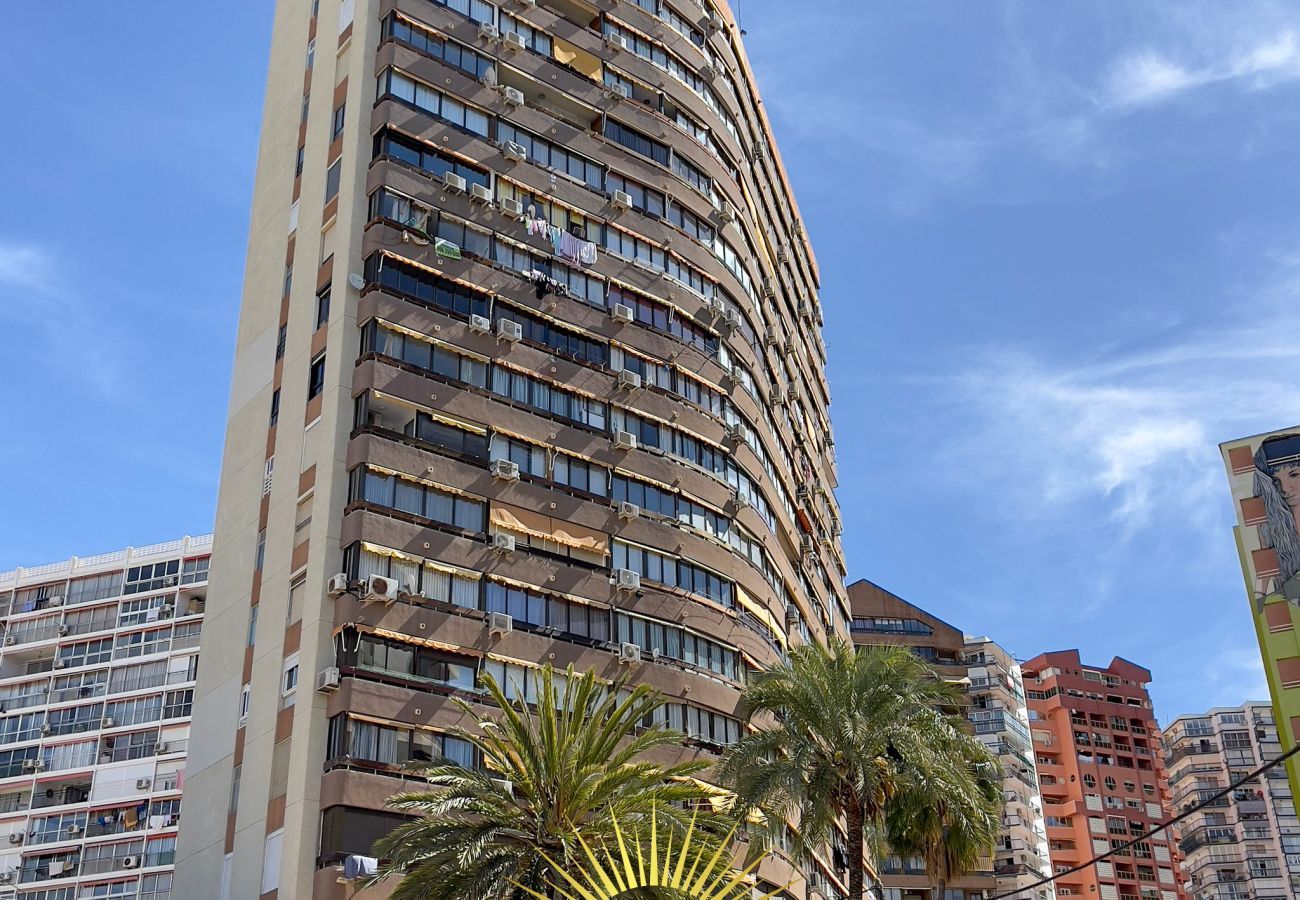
(1061, 262)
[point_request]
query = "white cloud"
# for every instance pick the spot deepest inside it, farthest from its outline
(1135, 431)
(1148, 76)
(81, 343)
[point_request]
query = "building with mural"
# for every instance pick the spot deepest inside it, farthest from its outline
(1264, 474)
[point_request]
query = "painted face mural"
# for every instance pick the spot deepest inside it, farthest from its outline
(1277, 483)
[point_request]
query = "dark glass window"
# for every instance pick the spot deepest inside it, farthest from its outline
(340, 118)
(322, 307)
(332, 180)
(275, 406)
(297, 167)
(316, 377)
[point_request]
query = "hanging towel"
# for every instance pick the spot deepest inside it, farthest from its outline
(567, 247)
(56, 868)
(156, 822)
(587, 253)
(131, 818)
(355, 867)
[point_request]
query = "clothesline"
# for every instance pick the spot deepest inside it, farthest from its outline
(565, 244)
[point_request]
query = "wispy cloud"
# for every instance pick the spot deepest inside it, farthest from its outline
(38, 298)
(1150, 76)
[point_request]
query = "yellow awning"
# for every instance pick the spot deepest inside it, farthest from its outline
(577, 58)
(538, 525)
(762, 613)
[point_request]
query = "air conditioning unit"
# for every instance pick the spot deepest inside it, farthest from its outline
(143, 784)
(32, 765)
(628, 653)
(778, 398)
(327, 679)
(622, 313)
(617, 91)
(628, 379)
(616, 41)
(480, 193)
(60, 663)
(513, 96)
(107, 722)
(160, 748)
(511, 207)
(381, 588)
(504, 469)
(713, 24)
(47, 728)
(74, 829)
(165, 611)
(734, 433)
(503, 785)
(338, 585)
(11, 639)
(499, 624)
(716, 306)
(171, 581)
(7, 876)
(803, 493)
(769, 336)
(509, 330)
(628, 510)
(766, 289)
(57, 600)
(512, 43)
(479, 324)
(624, 440)
(62, 629)
(708, 72)
(16, 837)
(514, 152)
(487, 31)
(791, 614)
(453, 182)
(621, 200)
(732, 319)
(782, 255)
(727, 214)
(627, 580)
(503, 543)
(130, 862)
(805, 311)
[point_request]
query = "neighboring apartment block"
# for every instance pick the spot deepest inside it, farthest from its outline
(1000, 718)
(529, 369)
(997, 714)
(97, 667)
(1246, 845)
(1101, 773)
(1264, 474)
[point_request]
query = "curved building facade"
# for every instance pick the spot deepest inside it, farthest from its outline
(529, 370)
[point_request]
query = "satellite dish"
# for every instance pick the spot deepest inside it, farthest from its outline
(356, 281)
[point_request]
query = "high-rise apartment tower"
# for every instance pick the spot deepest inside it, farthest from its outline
(1264, 473)
(98, 657)
(1247, 843)
(1102, 777)
(529, 358)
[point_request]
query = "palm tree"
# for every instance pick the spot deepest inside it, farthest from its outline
(550, 775)
(852, 733)
(951, 816)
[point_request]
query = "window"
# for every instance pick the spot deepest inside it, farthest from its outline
(674, 572)
(548, 155)
(279, 341)
(417, 499)
(289, 682)
(306, 105)
(311, 53)
(1089, 780)
(316, 377)
(297, 166)
(234, 788)
(432, 44)
(195, 570)
(178, 704)
(420, 95)
(340, 118)
(296, 592)
(332, 176)
(271, 861)
(252, 624)
(260, 556)
(275, 407)
(426, 288)
(428, 159)
(152, 577)
(322, 308)
(245, 700)
(427, 356)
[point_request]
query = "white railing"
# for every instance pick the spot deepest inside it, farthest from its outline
(182, 546)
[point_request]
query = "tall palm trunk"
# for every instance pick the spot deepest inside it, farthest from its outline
(857, 829)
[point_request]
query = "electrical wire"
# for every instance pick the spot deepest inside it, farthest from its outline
(1159, 828)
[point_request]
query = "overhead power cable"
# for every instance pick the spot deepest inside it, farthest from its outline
(1101, 857)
